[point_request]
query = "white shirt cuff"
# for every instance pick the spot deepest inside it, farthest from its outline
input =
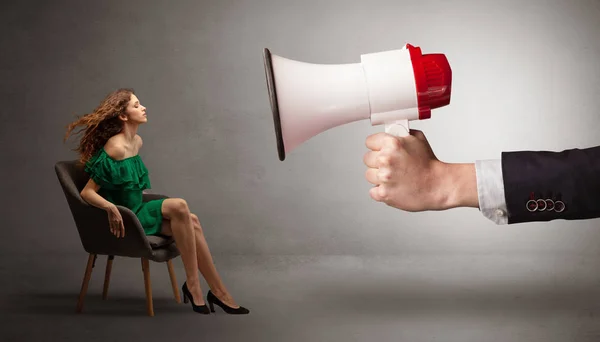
(490, 190)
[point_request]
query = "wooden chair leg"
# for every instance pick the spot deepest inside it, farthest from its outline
(148, 287)
(173, 281)
(107, 276)
(86, 281)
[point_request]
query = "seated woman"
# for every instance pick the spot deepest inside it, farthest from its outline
(109, 150)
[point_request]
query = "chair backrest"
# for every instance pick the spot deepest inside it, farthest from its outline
(72, 178)
(92, 222)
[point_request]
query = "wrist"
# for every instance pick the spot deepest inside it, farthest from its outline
(109, 206)
(458, 185)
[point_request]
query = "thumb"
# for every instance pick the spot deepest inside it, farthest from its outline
(418, 134)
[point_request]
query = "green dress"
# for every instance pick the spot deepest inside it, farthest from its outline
(122, 183)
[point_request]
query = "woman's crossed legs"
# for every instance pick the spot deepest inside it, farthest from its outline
(185, 228)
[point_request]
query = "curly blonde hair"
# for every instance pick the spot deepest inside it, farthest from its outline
(101, 124)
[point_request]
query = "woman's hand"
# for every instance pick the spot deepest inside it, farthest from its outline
(115, 220)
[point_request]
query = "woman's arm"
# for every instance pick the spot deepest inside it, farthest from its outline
(91, 196)
(115, 220)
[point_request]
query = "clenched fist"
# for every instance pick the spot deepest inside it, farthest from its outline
(407, 175)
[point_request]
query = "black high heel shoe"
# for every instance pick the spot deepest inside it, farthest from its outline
(187, 296)
(211, 298)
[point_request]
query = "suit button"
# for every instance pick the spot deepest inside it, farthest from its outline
(531, 205)
(541, 205)
(559, 206)
(549, 204)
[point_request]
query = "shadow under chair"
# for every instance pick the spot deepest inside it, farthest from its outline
(93, 227)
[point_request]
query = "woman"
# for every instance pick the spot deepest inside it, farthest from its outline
(109, 150)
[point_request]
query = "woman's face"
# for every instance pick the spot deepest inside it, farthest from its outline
(135, 111)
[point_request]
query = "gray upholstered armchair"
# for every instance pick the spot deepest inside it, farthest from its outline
(95, 235)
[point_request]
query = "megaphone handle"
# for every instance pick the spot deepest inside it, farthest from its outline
(399, 128)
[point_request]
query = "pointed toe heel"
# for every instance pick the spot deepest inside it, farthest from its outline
(187, 297)
(212, 299)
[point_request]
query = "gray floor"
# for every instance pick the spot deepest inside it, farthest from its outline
(332, 298)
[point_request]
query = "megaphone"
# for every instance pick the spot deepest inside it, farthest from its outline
(389, 88)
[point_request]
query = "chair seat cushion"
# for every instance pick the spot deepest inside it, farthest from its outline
(158, 241)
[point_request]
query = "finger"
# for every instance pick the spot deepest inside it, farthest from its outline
(378, 159)
(370, 159)
(122, 229)
(421, 137)
(384, 174)
(374, 141)
(371, 176)
(384, 158)
(378, 193)
(374, 193)
(418, 134)
(390, 143)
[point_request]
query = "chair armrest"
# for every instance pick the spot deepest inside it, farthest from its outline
(146, 197)
(93, 227)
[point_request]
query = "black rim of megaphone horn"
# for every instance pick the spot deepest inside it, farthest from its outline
(274, 104)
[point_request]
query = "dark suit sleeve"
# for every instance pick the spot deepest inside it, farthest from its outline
(551, 179)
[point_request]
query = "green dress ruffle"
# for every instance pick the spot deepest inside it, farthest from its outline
(122, 183)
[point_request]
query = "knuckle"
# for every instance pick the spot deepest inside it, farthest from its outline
(396, 144)
(384, 175)
(383, 193)
(393, 142)
(384, 159)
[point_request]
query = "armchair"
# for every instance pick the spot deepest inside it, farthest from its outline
(96, 238)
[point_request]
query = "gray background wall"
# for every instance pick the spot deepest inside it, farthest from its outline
(526, 76)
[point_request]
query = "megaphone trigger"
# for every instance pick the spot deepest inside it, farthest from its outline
(399, 128)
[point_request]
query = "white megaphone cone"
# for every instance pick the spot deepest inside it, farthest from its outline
(390, 88)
